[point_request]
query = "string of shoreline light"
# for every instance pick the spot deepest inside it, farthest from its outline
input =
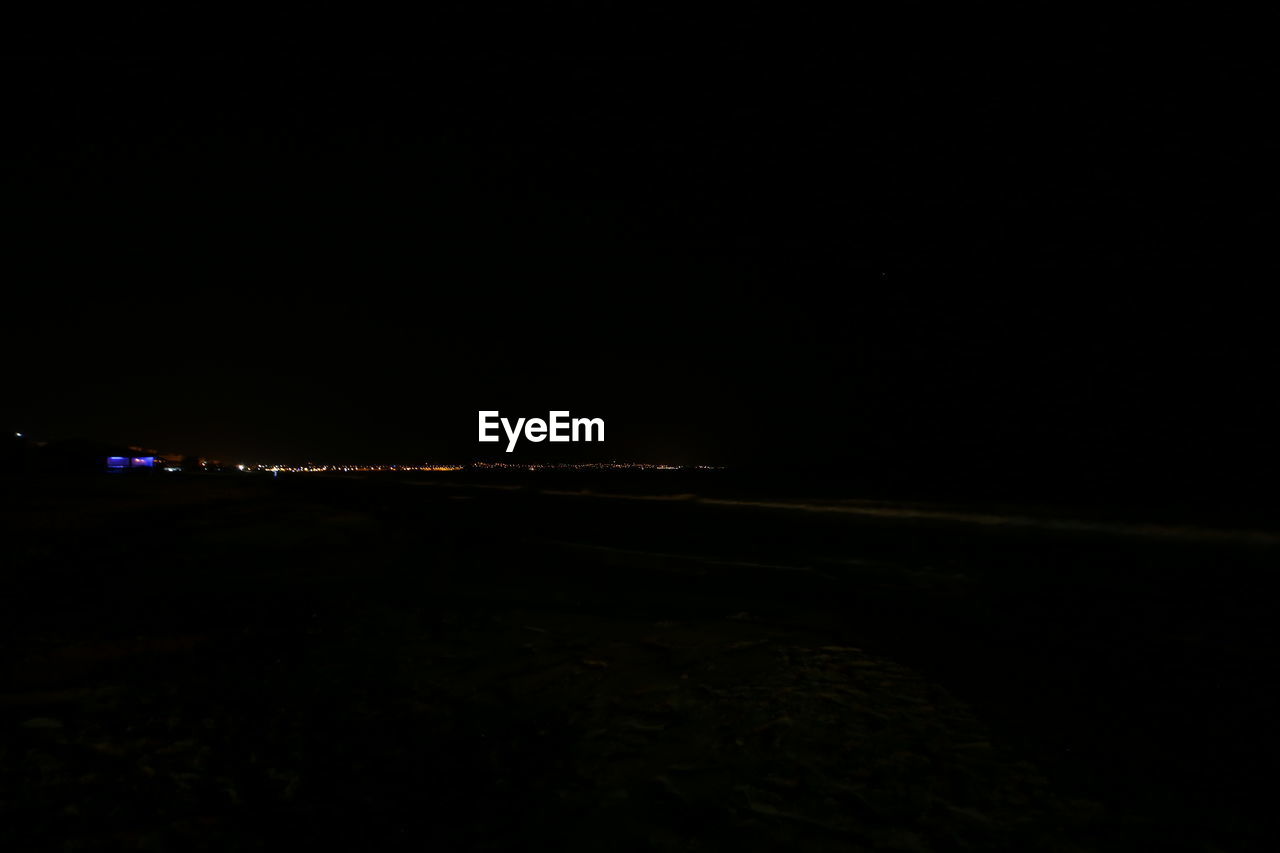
(499, 466)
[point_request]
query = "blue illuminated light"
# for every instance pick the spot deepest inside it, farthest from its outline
(131, 461)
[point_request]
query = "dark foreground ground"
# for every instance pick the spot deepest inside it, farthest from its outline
(241, 663)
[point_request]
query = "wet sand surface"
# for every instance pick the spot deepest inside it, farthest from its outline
(243, 663)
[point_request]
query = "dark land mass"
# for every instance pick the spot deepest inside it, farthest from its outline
(245, 662)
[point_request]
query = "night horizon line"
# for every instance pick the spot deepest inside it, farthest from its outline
(456, 466)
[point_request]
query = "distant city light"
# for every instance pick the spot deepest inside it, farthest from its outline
(499, 466)
(18, 434)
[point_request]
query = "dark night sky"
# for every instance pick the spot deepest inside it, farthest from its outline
(974, 263)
